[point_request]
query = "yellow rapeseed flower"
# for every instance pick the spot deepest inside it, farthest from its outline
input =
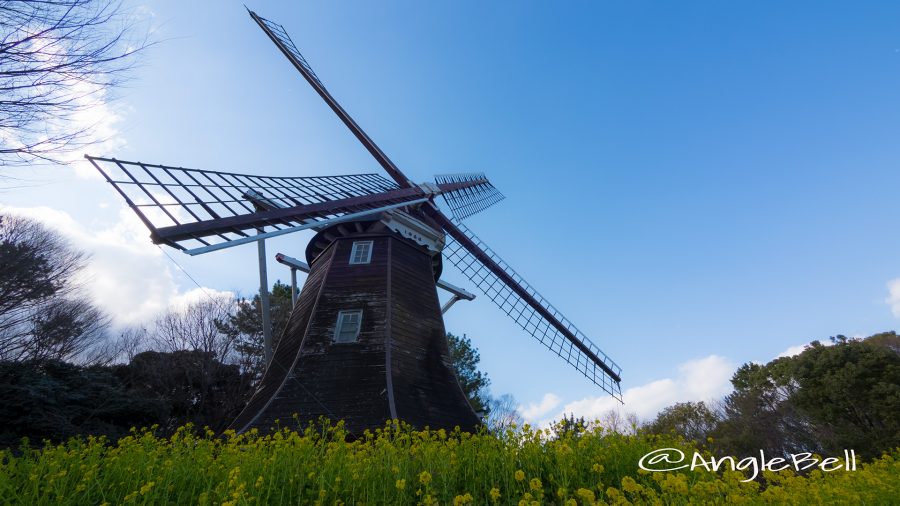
(675, 483)
(425, 478)
(629, 485)
(495, 494)
(461, 500)
(146, 488)
(535, 484)
(520, 475)
(586, 495)
(400, 484)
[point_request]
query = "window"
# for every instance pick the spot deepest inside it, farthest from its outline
(348, 325)
(361, 253)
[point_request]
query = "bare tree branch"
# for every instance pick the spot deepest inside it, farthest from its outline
(198, 327)
(57, 60)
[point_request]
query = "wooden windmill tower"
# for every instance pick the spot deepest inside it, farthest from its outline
(366, 340)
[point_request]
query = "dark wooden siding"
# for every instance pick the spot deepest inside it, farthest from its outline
(344, 380)
(426, 390)
(285, 354)
(312, 376)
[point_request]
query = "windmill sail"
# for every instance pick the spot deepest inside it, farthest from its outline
(198, 210)
(280, 37)
(468, 200)
(515, 297)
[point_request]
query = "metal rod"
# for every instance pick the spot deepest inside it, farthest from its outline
(449, 303)
(124, 195)
(293, 287)
(458, 292)
(264, 301)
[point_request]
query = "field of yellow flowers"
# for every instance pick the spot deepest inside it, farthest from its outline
(396, 465)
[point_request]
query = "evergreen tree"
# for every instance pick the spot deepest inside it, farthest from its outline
(826, 399)
(465, 359)
(245, 326)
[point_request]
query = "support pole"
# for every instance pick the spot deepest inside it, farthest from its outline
(293, 286)
(450, 303)
(264, 301)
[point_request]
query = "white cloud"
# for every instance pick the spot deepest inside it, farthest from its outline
(893, 298)
(791, 351)
(796, 350)
(99, 119)
(196, 295)
(534, 411)
(697, 380)
(127, 275)
(702, 379)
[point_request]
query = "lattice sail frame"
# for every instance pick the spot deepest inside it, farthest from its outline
(289, 45)
(526, 316)
(198, 210)
(468, 201)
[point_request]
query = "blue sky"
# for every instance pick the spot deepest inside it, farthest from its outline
(696, 185)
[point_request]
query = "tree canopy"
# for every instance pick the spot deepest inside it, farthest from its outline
(465, 359)
(44, 310)
(245, 326)
(825, 399)
(694, 421)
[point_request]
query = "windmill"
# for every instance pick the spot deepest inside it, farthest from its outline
(365, 341)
